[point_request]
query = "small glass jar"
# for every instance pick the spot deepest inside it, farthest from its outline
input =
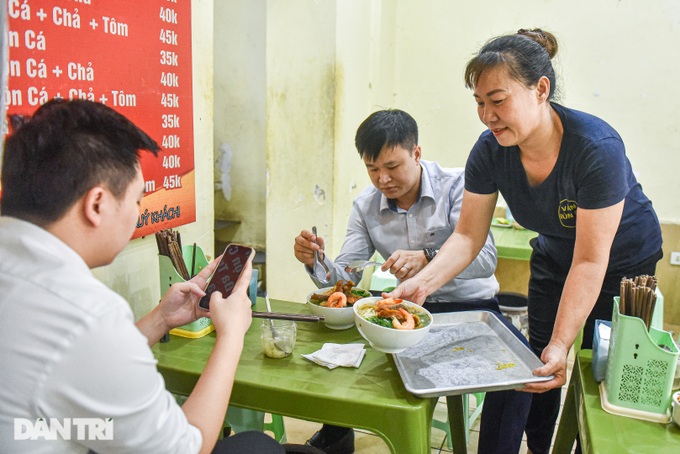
(278, 337)
(675, 407)
(676, 378)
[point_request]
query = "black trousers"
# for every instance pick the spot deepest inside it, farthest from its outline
(545, 290)
(251, 442)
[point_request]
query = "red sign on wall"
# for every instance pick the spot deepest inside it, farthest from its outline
(133, 56)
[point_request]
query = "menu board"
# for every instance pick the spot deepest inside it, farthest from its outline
(133, 56)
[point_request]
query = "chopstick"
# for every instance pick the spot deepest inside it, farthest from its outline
(295, 317)
(638, 298)
(170, 244)
(193, 262)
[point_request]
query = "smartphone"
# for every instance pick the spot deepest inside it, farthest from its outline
(228, 271)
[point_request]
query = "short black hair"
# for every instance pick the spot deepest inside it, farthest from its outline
(385, 128)
(62, 151)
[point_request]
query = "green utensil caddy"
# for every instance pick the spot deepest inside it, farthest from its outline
(640, 369)
(168, 276)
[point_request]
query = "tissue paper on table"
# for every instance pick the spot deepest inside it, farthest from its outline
(334, 355)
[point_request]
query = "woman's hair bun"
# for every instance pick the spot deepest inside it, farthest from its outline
(545, 39)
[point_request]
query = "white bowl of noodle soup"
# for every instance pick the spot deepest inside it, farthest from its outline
(389, 339)
(337, 318)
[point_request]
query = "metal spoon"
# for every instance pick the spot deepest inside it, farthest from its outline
(360, 265)
(275, 336)
(321, 271)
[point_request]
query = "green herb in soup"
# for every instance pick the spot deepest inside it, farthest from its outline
(386, 322)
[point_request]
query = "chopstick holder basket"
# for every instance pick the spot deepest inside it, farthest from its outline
(640, 369)
(169, 275)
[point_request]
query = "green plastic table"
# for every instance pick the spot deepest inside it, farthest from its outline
(601, 432)
(513, 243)
(370, 397)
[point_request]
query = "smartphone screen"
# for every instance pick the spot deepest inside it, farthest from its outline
(228, 271)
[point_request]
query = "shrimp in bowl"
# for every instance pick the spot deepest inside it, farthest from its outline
(389, 325)
(335, 303)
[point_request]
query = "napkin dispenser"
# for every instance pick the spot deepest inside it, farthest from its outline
(601, 336)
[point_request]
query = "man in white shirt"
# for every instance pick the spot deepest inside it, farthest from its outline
(77, 374)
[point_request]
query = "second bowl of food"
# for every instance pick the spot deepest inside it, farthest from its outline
(335, 303)
(390, 325)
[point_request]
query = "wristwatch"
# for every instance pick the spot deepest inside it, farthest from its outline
(430, 252)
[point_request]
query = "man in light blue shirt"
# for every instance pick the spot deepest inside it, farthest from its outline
(406, 215)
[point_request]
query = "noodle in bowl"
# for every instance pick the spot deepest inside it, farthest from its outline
(387, 338)
(335, 318)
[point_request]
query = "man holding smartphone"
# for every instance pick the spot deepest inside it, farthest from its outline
(406, 215)
(71, 356)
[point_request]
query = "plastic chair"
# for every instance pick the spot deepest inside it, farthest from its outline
(471, 417)
(277, 428)
(243, 419)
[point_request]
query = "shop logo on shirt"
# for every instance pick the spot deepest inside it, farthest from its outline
(63, 429)
(567, 213)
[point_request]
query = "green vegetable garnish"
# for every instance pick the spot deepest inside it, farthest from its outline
(361, 292)
(386, 322)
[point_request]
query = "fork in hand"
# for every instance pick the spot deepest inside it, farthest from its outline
(360, 265)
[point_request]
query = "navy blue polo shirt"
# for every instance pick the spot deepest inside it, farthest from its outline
(592, 171)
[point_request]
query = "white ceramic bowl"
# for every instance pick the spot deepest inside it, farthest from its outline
(390, 340)
(675, 406)
(335, 318)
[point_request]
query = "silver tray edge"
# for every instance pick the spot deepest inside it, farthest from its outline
(523, 353)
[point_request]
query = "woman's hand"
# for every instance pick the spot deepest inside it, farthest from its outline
(555, 358)
(411, 290)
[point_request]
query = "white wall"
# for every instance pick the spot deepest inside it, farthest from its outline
(327, 70)
(301, 113)
(617, 60)
(240, 119)
(329, 64)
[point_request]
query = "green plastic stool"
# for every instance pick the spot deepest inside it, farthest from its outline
(254, 420)
(243, 419)
(277, 428)
(471, 417)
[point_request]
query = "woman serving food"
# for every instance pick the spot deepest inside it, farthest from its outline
(564, 174)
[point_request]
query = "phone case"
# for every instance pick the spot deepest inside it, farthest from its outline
(228, 271)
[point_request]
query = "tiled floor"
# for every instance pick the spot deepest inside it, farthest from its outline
(298, 431)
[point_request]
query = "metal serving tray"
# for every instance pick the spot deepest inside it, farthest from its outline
(467, 352)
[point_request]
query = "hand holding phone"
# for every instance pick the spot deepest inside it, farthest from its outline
(228, 271)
